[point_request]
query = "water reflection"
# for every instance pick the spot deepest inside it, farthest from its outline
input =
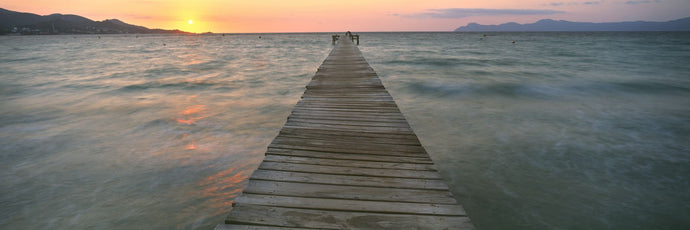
(130, 129)
(191, 114)
(222, 187)
(190, 145)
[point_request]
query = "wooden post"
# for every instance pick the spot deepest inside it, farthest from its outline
(335, 38)
(355, 37)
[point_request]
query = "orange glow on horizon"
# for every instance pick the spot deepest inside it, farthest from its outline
(336, 16)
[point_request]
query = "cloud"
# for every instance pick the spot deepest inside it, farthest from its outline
(469, 12)
(641, 2)
(589, 3)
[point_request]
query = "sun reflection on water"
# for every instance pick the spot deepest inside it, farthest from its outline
(191, 114)
(190, 145)
(221, 188)
(143, 128)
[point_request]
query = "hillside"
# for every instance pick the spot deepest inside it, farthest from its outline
(12, 22)
(553, 25)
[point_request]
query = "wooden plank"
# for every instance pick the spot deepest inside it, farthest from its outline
(371, 106)
(337, 145)
(390, 111)
(348, 156)
(351, 138)
(354, 112)
(360, 91)
(341, 170)
(381, 182)
(395, 130)
(376, 104)
(353, 90)
(357, 80)
(346, 78)
(354, 133)
(371, 114)
(353, 70)
(344, 149)
(341, 113)
(349, 163)
(353, 99)
(295, 217)
(351, 205)
(252, 227)
(364, 108)
(355, 118)
(357, 122)
(348, 192)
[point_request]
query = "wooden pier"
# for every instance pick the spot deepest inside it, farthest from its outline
(346, 159)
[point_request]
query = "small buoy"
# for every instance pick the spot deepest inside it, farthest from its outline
(513, 42)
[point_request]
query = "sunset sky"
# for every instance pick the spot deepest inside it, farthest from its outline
(264, 16)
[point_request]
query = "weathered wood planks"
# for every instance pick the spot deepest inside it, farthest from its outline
(346, 159)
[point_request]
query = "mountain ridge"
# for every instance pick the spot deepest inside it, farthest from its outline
(682, 24)
(12, 22)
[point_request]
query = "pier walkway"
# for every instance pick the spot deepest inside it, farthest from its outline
(346, 159)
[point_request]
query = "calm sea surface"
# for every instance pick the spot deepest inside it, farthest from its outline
(554, 131)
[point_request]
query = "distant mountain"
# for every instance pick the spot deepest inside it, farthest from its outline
(12, 22)
(682, 24)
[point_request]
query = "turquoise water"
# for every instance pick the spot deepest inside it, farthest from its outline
(554, 131)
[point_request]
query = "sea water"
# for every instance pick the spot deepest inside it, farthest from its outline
(531, 130)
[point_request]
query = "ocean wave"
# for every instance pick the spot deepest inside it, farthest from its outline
(36, 116)
(632, 87)
(209, 64)
(482, 90)
(10, 89)
(164, 70)
(465, 61)
(185, 84)
(24, 59)
(158, 123)
(541, 91)
(650, 87)
(440, 62)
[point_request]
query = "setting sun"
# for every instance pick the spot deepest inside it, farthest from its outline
(190, 22)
